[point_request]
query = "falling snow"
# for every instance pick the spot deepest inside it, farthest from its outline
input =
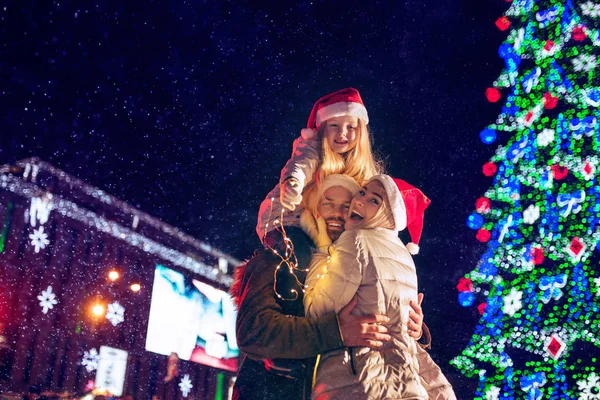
(188, 111)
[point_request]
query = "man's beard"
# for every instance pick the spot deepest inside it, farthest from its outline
(334, 234)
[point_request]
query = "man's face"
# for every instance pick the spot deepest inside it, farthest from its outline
(333, 207)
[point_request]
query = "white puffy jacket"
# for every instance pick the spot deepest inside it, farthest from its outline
(375, 265)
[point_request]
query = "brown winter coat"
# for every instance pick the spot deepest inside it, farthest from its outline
(270, 329)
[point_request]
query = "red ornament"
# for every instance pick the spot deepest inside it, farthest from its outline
(555, 347)
(549, 45)
(483, 205)
(482, 307)
(549, 101)
(529, 118)
(576, 247)
(503, 23)
(483, 235)
(588, 170)
(559, 172)
(489, 169)
(465, 285)
(492, 95)
(578, 34)
(538, 255)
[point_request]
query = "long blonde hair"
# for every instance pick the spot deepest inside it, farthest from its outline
(359, 163)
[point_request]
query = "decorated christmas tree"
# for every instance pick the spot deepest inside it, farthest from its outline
(537, 285)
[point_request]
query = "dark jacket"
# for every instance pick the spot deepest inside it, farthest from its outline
(274, 329)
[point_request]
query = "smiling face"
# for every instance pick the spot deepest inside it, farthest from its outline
(341, 133)
(333, 207)
(365, 205)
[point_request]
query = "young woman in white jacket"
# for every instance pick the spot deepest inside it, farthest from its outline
(369, 260)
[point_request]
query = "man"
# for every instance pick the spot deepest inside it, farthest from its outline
(272, 332)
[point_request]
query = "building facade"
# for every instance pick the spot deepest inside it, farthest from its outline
(59, 239)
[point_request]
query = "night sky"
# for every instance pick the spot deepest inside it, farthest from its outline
(188, 109)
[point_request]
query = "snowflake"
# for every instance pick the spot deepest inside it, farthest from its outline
(39, 239)
(589, 387)
(591, 9)
(512, 302)
(493, 393)
(545, 137)
(597, 282)
(531, 214)
(185, 385)
(115, 313)
(584, 62)
(47, 300)
(90, 360)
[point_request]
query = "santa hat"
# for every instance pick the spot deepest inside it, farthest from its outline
(337, 104)
(408, 207)
(344, 181)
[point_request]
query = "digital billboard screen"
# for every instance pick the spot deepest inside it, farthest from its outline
(192, 319)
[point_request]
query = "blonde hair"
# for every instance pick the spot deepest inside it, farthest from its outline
(359, 163)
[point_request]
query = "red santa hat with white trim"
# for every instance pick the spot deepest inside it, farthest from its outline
(337, 104)
(408, 207)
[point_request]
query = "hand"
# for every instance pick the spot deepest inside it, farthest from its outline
(290, 194)
(363, 331)
(323, 241)
(415, 318)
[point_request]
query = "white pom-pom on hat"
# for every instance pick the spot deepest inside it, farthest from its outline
(413, 248)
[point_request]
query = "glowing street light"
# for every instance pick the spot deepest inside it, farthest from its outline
(98, 310)
(113, 275)
(135, 287)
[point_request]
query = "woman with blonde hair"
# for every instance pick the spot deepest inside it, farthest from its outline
(336, 141)
(370, 261)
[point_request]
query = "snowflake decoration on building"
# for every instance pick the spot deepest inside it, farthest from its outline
(90, 360)
(47, 300)
(115, 313)
(591, 9)
(531, 214)
(545, 137)
(512, 302)
(589, 387)
(39, 239)
(185, 385)
(584, 62)
(493, 393)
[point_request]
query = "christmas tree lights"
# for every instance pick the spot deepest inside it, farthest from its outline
(537, 285)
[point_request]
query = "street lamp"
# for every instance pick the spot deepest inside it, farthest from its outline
(113, 275)
(98, 310)
(135, 287)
